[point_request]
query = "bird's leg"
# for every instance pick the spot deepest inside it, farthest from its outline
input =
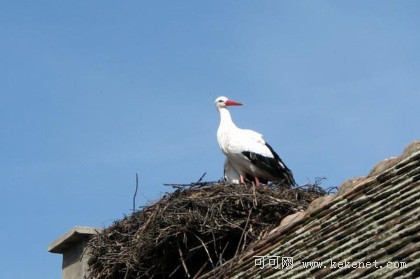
(257, 181)
(241, 177)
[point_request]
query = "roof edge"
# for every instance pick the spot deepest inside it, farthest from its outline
(350, 185)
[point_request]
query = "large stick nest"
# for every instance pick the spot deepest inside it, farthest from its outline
(193, 230)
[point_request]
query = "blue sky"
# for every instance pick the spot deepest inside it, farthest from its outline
(94, 91)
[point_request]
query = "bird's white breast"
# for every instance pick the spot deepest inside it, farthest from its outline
(235, 140)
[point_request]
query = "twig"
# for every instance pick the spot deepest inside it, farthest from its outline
(135, 192)
(244, 231)
(183, 262)
(254, 201)
(126, 272)
(221, 254)
(174, 271)
(201, 178)
(332, 190)
(200, 270)
(192, 184)
(205, 248)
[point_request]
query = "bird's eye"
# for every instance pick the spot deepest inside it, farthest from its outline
(220, 101)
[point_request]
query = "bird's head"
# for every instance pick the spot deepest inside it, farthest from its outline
(223, 102)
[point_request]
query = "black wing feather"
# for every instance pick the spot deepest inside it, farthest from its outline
(274, 166)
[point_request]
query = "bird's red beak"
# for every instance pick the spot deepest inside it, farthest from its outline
(232, 103)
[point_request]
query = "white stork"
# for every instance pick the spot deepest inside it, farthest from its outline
(248, 156)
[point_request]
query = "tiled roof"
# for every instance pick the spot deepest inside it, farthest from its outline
(370, 222)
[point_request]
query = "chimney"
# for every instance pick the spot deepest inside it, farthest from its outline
(72, 246)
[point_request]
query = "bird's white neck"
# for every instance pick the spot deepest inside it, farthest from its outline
(225, 118)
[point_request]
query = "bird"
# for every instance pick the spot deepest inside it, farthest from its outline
(229, 173)
(248, 156)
